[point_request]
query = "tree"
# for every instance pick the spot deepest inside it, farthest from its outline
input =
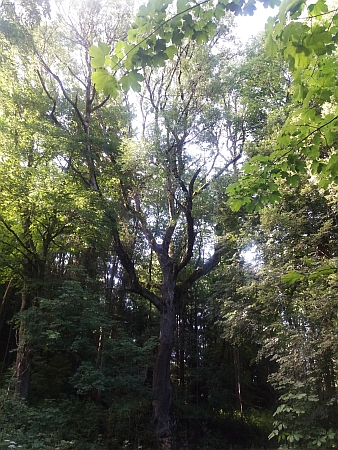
(306, 34)
(37, 166)
(58, 139)
(145, 200)
(284, 163)
(155, 37)
(170, 220)
(296, 292)
(130, 59)
(32, 217)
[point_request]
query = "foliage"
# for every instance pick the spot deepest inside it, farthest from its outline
(65, 424)
(306, 35)
(288, 308)
(296, 421)
(108, 234)
(160, 28)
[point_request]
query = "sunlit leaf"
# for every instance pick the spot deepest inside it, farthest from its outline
(105, 82)
(292, 277)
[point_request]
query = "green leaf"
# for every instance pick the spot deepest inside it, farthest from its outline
(200, 37)
(188, 19)
(234, 7)
(177, 36)
(98, 54)
(324, 182)
(129, 61)
(143, 11)
(303, 49)
(301, 59)
(273, 187)
(159, 59)
(292, 277)
(294, 180)
(118, 49)
(300, 166)
(273, 434)
(160, 45)
(171, 51)
(318, 8)
(295, 8)
(249, 9)
(331, 434)
(274, 197)
(253, 205)
(317, 167)
(219, 11)
(182, 5)
(329, 136)
(132, 34)
(332, 166)
(236, 204)
(142, 58)
(132, 81)
(270, 45)
(312, 152)
(105, 48)
(105, 82)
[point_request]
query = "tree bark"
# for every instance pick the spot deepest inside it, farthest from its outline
(3, 305)
(23, 358)
(162, 387)
(237, 367)
(161, 380)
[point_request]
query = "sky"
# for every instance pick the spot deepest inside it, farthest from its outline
(249, 26)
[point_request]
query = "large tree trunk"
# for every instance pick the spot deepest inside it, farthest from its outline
(161, 378)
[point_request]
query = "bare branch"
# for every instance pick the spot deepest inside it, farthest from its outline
(144, 228)
(95, 108)
(69, 100)
(17, 237)
(52, 114)
(148, 295)
(168, 235)
(129, 267)
(76, 77)
(207, 267)
(217, 175)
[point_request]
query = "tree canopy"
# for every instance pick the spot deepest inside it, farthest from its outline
(143, 157)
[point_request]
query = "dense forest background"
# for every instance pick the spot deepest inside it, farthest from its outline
(168, 227)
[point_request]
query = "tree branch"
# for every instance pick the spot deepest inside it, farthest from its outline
(191, 235)
(207, 267)
(95, 108)
(217, 175)
(52, 114)
(129, 267)
(17, 237)
(69, 100)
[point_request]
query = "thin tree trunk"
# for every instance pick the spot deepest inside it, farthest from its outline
(238, 380)
(3, 304)
(99, 363)
(23, 357)
(181, 330)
